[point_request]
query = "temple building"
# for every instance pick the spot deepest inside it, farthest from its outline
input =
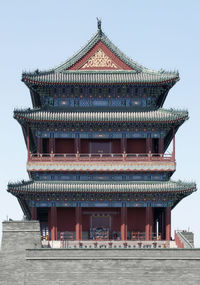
(97, 140)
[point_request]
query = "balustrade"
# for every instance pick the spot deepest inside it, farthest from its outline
(101, 157)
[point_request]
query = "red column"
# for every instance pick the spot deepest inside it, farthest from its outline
(51, 145)
(163, 224)
(39, 148)
(161, 145)
(77, 144)
(78, 212)
(148, 145)
(34, 213)
(123, 144)
(53, 223)
(149, 222)
(168, 223)
(123, 223)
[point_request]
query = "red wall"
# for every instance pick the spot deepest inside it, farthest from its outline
(84, 146)
(115, 217)
(64, 145)
(116, 146)
(136, 219)
(66, 219)
(136, 145)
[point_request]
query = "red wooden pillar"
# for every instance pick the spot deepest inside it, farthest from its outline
(149, 222)
(52, 145)
(39, 146)
(163, 224)
(123, 145)
(148, 145)
(123, 223)
(77, 145)
(78, 212)
(53, 223)
(168, 223)
(34, 213)
(161, 146)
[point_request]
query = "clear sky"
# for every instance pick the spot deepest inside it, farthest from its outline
(158, 34)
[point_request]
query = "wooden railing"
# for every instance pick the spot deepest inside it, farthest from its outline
(101, 157)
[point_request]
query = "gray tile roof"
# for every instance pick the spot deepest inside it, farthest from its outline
(100, 77)
(62, 75)
(103, 186)
(160, 115)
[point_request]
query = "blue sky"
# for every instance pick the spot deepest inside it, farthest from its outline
(158, 34)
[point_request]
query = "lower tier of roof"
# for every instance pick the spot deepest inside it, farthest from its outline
(158, 116)
(103, 186)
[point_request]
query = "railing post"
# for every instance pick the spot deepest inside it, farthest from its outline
(77, 155)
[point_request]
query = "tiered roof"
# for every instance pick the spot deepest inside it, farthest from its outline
(100, 77)
(158, 116)
(130, 72)
(99, 62)
(103, 186)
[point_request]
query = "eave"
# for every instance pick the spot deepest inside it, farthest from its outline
(103, 186)
(159, 116)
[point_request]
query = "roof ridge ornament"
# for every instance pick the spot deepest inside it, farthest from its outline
(99, 26)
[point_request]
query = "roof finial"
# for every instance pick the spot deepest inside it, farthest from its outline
(99, 25)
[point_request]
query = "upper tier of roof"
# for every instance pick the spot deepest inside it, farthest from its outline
(99, 61)
(100, 77)
(158, 116)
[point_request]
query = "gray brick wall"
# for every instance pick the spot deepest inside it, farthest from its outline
(16, 237)
(37, 265)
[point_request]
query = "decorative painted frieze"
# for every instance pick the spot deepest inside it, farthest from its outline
(100, 59)
(101, 166)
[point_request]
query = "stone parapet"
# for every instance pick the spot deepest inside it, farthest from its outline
(24, 261)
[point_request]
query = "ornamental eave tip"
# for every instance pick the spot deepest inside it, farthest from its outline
(99, 25)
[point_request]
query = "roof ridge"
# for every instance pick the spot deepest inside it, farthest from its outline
(98, 36)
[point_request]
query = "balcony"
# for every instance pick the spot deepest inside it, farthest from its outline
(111, 244)
(100, 157)
(101, 162)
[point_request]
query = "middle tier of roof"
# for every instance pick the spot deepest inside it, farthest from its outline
(53, 115)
